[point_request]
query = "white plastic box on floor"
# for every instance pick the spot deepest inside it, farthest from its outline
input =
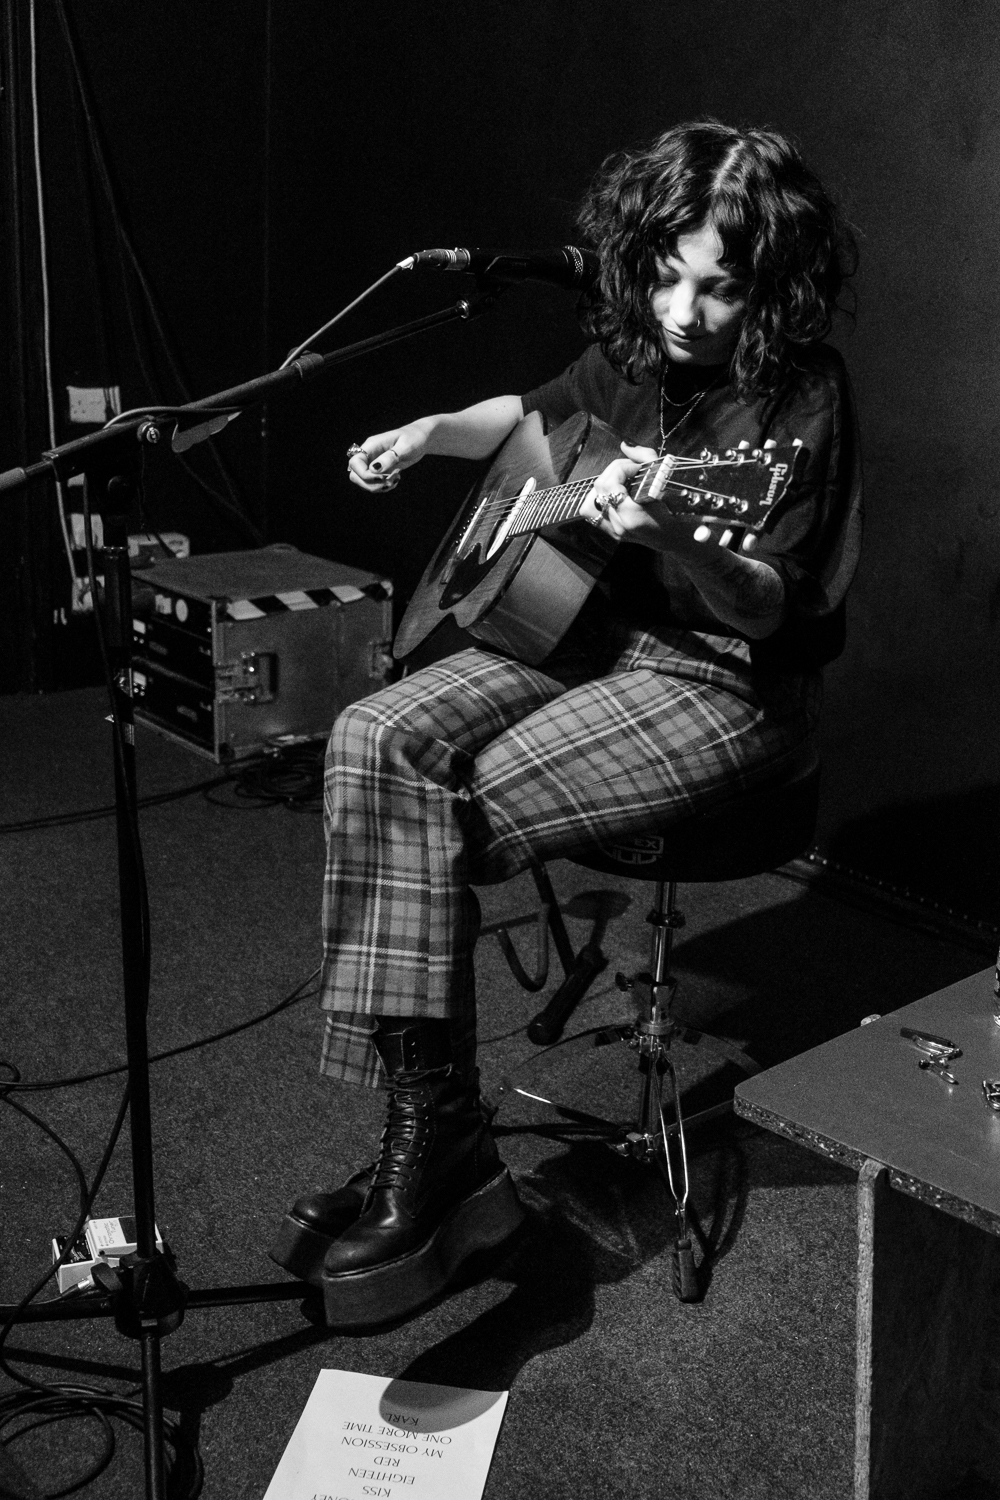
(235, 652)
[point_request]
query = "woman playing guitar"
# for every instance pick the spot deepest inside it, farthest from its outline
(692, 668)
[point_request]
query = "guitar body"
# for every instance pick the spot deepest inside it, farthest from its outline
(524, 597)
(517, 564)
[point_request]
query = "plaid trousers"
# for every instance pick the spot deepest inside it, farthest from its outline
(469, 769)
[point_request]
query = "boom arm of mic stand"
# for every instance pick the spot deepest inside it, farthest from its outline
(77, 456)
(308, 366)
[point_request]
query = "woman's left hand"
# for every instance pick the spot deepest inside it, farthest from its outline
(651, 524)
(741, 591)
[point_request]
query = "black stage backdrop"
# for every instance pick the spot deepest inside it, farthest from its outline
(272, 159)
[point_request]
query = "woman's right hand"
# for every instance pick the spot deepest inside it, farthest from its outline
(377, 463)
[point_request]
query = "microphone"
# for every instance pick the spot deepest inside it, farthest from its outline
(567, 266)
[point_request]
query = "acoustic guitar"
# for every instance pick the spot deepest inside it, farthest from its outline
(511, 587)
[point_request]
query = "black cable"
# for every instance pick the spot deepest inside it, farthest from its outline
(92, 814)
(38, 1086)
(60, 1402)
(87, 1195)
(291, 777)
(59, 1406)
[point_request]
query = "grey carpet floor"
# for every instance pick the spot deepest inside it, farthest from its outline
(617, 1389)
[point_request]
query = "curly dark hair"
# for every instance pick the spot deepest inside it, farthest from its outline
(778, 226)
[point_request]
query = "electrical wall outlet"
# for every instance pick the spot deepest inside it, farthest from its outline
(93, 405)
(81, 599)
(78, 531)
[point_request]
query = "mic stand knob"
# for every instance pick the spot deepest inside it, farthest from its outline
(145, 1294)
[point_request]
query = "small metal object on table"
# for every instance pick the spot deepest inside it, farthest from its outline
(927, 1152)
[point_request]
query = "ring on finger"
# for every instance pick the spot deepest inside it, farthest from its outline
(356, 448)
(615, 499)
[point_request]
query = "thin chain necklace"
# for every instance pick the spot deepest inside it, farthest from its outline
(687, 408)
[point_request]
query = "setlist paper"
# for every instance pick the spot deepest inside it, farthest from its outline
(367, 1437)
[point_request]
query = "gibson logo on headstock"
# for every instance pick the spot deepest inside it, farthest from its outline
(779, 474)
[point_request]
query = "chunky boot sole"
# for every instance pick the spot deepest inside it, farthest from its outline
(301, 1250)
(385, 1293)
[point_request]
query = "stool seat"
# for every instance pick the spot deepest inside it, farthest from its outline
(762, 827)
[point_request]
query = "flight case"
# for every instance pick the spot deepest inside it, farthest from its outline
(236, 652)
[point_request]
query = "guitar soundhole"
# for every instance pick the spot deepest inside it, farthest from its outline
(462, 576)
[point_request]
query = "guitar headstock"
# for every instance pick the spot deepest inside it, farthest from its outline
(745, 486)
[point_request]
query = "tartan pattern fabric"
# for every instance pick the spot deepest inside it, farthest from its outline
(466, 771)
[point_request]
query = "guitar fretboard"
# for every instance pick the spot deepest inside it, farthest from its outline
(564, 502)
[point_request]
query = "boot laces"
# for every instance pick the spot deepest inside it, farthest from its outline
(408, 1132)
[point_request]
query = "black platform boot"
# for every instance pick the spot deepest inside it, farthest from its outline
(439, 1192)
(314, 1221)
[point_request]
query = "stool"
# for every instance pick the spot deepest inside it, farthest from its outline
(748, 834)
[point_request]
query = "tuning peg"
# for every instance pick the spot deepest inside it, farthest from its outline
(770, 443)
(745, 443)
(726, 537)
(796, 442)
(756, 453)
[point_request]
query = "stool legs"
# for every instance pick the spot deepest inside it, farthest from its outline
(652, 1140)
(664, 918)
(580, 969)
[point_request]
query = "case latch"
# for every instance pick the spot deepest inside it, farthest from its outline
(252, 679)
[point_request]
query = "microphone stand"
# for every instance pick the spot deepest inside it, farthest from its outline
(145, 1296)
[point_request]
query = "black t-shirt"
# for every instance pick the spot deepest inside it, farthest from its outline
(813, 542)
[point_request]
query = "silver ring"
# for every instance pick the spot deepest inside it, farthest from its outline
(356, 448)
(616, 497)
(601, 503)
(991, 1094)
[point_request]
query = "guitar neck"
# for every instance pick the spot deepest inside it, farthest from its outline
(559, 505)
(742, 487)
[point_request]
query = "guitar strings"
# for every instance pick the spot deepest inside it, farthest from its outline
(531, 516)
(583, 485)
(577, 489)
